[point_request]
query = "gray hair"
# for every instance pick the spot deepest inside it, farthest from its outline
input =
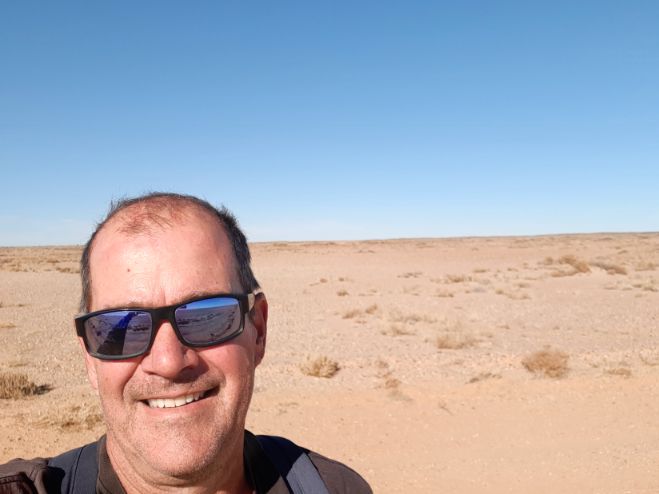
(159, 209)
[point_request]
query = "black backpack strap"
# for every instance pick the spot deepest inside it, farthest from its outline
(294, 465)
(80, 468)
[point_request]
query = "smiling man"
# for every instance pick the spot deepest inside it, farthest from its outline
(174, 325)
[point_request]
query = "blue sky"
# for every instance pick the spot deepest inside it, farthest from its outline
(333, 120)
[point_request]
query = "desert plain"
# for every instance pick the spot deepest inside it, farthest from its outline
(466, 365)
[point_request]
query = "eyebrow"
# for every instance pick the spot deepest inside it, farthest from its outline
(196, 294)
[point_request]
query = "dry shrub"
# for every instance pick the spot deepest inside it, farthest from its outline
(646, 266)
(579, 266)
(319, 367)
(518, 295)
(397, 316)
(452, 341)
(620, 371)
(67, 269)
(480, 270)
(391, 382)
(397, 330)
(411, 274)
(17, 386)
(444, 294)
(352, 313)
(650, 358)
(74, 418)
(342, 293)
(457, 278)
(371, 309)
(322, 280)
(610, 268)
(7, 325)
(483, 376)
(551, 363)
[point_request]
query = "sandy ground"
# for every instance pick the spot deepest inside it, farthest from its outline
(429, 336)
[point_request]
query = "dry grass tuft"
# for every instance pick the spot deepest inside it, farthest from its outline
(7, 325)
(646, 266)
(352, 313)
(452, 341)
(74, 418)
(391, 382)
(551, 363)
(457, 278)
(17, 386)
(579, 266)
(66, 269)
(411, 274)
(319, 367)
(649, 358)
(483, 376)
(342, 293)
(620, 371)
(397, 330)
(397, 316)
(610, 268)
(371, 309)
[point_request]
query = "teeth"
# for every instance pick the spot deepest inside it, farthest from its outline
(174, 402)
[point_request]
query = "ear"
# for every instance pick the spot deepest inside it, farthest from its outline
(259, 318)
(90, 364)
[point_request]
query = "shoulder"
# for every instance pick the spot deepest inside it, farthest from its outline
(338, 477)
(22, 476)
(270, 459)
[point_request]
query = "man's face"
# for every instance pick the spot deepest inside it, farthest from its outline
(167, 266)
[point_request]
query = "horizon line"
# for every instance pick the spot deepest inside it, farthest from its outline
(388, 239)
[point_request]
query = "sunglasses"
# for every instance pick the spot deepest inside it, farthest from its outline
(115, 334)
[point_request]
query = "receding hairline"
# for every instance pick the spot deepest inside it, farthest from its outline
(157, 210)
(144, 219)
(157, 213)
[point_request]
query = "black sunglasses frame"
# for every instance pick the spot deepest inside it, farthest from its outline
(168, 313)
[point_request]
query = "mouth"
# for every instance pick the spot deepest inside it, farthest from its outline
(178, 401)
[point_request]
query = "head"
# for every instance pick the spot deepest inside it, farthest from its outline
(160, 250)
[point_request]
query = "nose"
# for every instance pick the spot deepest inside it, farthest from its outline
(168, 357)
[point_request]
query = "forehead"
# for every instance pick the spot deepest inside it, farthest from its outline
(136, 260)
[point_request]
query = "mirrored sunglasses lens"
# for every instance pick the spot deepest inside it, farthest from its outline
(208, 321)
(118, 333)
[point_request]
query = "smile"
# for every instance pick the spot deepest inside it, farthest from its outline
(174, 402)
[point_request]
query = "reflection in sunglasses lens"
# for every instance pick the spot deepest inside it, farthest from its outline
(209, 320)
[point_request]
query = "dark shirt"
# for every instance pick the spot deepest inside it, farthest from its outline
(29, 476)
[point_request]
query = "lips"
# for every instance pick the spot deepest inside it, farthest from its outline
(179, 401)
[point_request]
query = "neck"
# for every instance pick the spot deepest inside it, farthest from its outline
(225, 474)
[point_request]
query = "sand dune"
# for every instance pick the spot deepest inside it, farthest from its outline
(526, 364)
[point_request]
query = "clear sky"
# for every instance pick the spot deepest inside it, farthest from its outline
(333, 120)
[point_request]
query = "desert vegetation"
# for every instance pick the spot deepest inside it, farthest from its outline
(548, 362)
(321, 366)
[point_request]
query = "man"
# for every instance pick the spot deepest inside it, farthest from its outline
(173, 327)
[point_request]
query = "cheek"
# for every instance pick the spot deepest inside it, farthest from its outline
(234, 361)
(112, 378)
